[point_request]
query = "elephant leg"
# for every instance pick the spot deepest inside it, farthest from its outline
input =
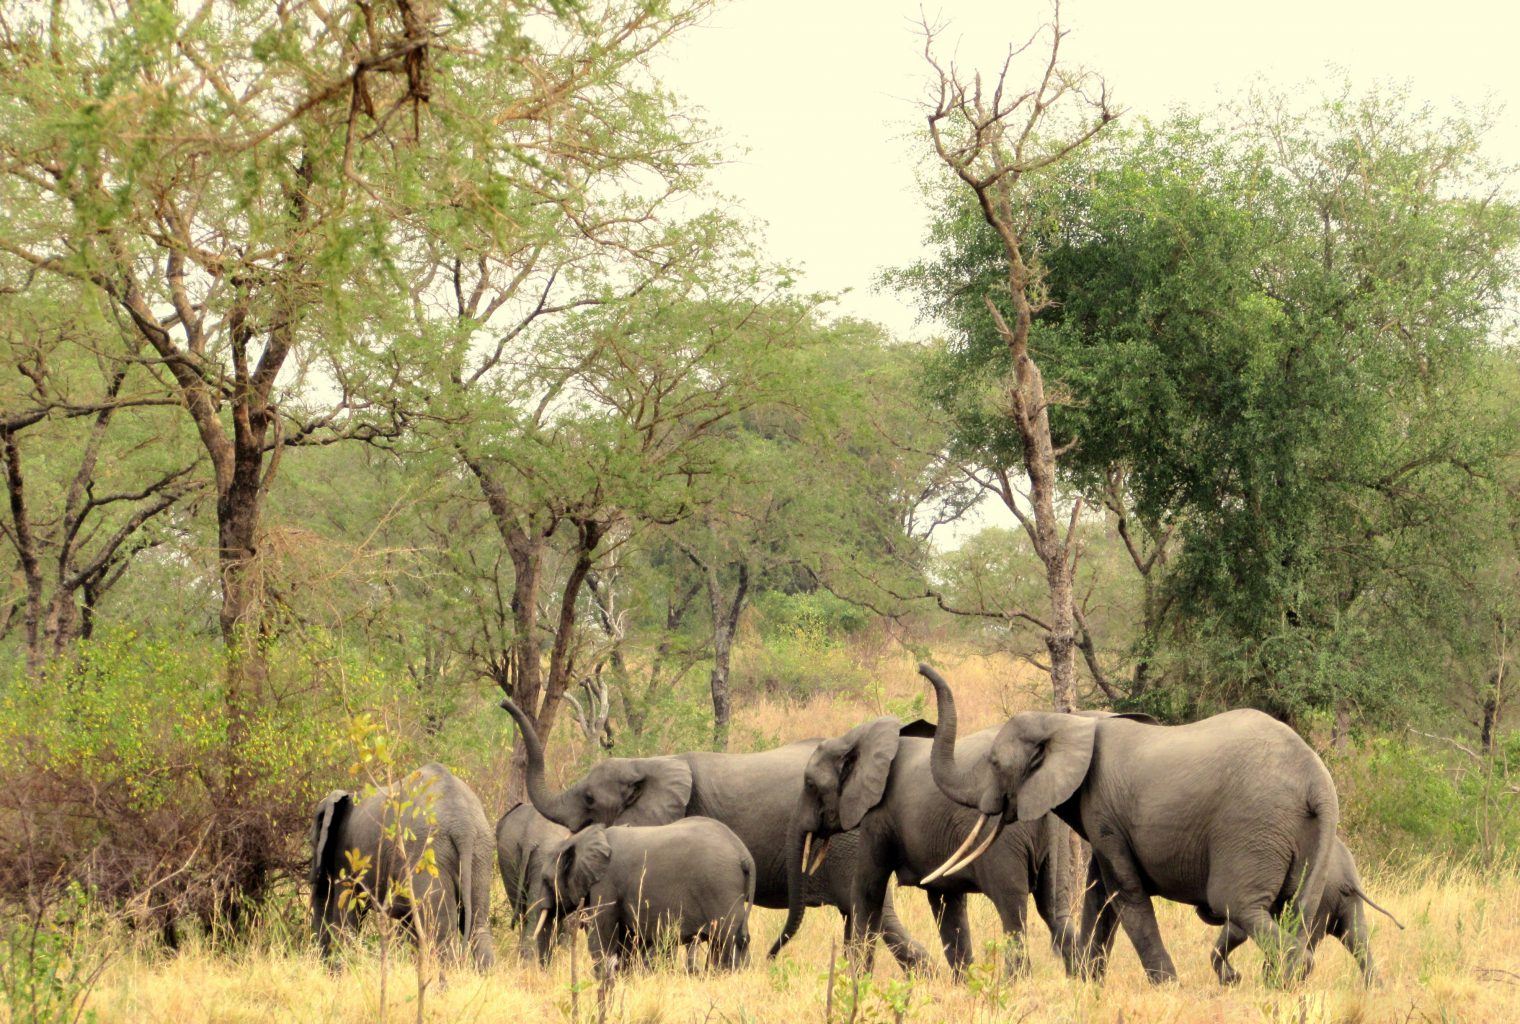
(1050, 904)
(1136, 914)
(869, 896)
(1100, 919)
(482, 944)
(435, 916)
(909, 954)
(1011, 909)
(1230, 937)
(949, 910)
(1351, 929)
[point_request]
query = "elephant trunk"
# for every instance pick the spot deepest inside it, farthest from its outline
(955, 783)
(796, 879)
(554, 806)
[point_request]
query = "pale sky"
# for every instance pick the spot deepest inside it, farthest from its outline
(816, 99)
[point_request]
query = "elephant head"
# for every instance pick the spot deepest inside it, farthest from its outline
(618, 791)
(569, 870)
(845, 778)
(328, 826)
(1037, 761)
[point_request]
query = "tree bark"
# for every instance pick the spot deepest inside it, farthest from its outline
(725, 616)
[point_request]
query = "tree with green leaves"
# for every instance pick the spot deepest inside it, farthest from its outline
(1275, 336)
(991, 137)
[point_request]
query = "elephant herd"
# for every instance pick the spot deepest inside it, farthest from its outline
(1234, 815)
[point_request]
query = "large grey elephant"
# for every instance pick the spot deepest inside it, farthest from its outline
(523, 839)
(1234, 815)
(753, 794)
(419, 849)
(875, 782)
(1340, 914)
(687, 882)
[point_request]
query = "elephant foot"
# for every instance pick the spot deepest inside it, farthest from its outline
(1161, 975)
(1227, 974)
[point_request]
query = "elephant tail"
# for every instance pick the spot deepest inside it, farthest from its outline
(1368, 900)
(466, 889)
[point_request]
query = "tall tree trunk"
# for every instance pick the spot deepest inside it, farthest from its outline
(725, 616)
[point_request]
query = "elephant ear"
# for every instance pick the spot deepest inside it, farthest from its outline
(326, 832)
(918, 728)
(867, 764)
(1063, 749)
(583, 863)
(664, 791)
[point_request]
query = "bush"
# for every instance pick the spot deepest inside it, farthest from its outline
(1404, 801)
(119, 766)
(799, 648)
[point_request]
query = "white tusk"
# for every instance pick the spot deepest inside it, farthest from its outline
(807, 846)
(543, 915)
(944, 869)
(974, 854)
(823, 850)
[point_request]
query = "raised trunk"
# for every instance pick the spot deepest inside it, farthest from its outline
(554, 806)
(954, 782)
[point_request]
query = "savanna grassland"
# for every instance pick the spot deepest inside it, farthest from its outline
(1458, 958)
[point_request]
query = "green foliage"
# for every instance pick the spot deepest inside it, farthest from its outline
(121, 759)
(1275, 340)
(1404, 801)
(800, 649)
(48, 964)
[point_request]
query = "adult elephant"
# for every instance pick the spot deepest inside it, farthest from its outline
(419, 850)
(874, 782)
(1234, 815)
(753, 794)
(523, 840)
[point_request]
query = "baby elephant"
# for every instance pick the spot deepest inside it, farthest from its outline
(692, 880)
(419, 850)
(1340, 914)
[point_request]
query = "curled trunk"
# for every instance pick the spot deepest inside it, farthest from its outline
(554, 806)
(954, 782)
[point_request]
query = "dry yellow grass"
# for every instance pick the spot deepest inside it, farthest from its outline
(1459, 960)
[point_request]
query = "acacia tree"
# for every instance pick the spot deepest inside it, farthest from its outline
(990, 136)
(251, 188)
(90, 468)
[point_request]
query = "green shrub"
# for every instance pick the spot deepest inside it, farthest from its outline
(1406, 801)
(800, 648)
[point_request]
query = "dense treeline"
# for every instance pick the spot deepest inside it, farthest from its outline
(360, 368)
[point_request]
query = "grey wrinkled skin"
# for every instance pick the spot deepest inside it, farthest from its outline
(875, 783)
(429, 809)
(752, 794)
(640, 885)
(1341, 915)
(523, 838)
(1234, 815)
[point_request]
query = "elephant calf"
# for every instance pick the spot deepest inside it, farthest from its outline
(523, 840)
(689, 881)
(419, 850)
(1340, 914)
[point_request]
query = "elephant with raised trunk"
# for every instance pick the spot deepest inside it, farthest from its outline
(1340, 914)
(1234, 815)
(523, 839)
(753, 794)
(874, 782)
(691, 881)
(419, 849)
